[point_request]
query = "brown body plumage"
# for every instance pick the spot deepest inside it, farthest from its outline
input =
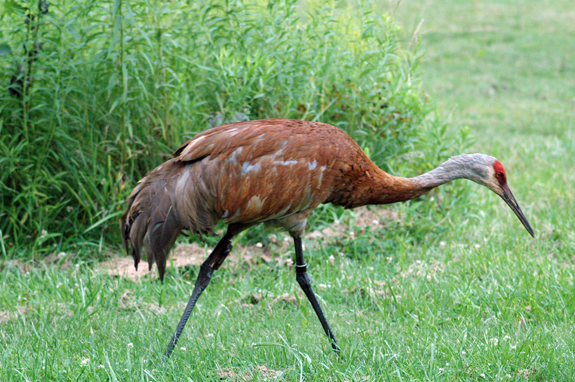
(274, 171)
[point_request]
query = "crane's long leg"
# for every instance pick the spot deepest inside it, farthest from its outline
(305, 282)
(212, 263)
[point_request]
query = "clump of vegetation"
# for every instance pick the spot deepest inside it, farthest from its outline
(97, 93)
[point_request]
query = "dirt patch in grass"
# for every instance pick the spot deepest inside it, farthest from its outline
(287, 298)
(235, 374)
(5, 316)
(127, 302)
(61, 260)
(527, 373)
(252, 300)
(124, 267)
(372, 217)
(420, 268)
(377, 290)
(183, 255)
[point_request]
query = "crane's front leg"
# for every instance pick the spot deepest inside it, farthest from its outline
(211, 264)
(305, 282)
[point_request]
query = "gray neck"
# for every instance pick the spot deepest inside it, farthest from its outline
(468, 166)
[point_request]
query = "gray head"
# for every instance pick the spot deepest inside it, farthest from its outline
(487, 171)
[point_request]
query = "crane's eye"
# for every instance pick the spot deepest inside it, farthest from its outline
(499, 175)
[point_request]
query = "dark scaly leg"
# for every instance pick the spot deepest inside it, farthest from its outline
(212, 263)
(305, 282)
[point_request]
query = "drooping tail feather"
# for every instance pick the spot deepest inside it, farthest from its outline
(175, 196)
(150, 221)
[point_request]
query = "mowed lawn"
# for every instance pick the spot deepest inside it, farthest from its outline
(448, 287)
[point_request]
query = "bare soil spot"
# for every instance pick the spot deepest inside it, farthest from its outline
(527, 373)
(419, 268)
(250, 300)
(23, 267)
(182, 256)
(379, 291)
(127, 302)
(374, 216)
(235, 374)
(124, 267)
(286, 298)
(5, 316)
(364, 217)
(62, 258)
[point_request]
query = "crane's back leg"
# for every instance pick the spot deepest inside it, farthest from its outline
(212, 263)
(305, 282)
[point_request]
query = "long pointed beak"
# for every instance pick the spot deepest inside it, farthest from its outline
(510, 200)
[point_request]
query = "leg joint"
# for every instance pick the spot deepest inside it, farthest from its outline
(204, 276)
(303, 280)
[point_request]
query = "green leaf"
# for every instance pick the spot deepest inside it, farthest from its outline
(5, 49)
(99, 222)
(206, 68)
(14, 7)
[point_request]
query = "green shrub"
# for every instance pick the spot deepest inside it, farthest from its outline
(97, 93)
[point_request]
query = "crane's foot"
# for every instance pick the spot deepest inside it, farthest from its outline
(304, 281)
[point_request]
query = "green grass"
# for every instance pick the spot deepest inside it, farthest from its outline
(415, 300)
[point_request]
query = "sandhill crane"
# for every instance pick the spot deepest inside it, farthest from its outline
(274, 171)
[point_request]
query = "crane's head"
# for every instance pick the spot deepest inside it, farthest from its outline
(489, 172)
